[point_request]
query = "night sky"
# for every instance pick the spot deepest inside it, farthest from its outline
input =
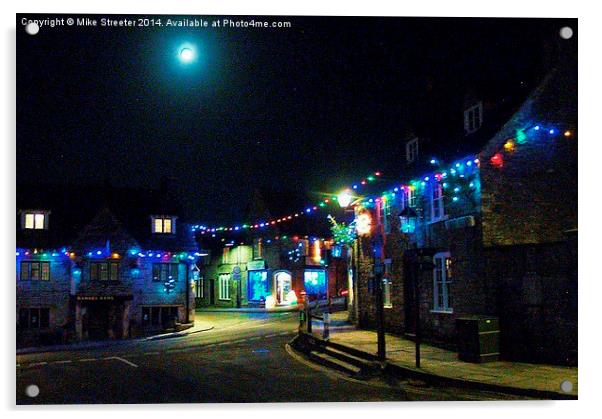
(307, 109)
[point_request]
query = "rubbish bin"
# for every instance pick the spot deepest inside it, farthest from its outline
(478, 338)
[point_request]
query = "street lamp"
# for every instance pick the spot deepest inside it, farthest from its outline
(344, 198)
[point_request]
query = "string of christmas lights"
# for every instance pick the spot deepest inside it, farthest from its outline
(104, 254)
(457, 180)
(262, 224)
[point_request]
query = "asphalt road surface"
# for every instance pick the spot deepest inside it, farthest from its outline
(243, 359)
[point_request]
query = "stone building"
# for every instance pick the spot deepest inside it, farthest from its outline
(499, 212)
(98, 263)
(276, 271)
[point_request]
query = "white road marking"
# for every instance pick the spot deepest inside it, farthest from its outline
(67, 361)
(271, 336)
(123, 360)
(35, 364)
(87, 360)
(151, 353)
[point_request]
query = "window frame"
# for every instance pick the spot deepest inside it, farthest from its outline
(441, 288)
(412, 150)
(40, 270)
(40, 325)
(473, 118)
(223, 286)
(109, 270)
(437, 202)
(163, 276)
(35, 215)
(163, 219)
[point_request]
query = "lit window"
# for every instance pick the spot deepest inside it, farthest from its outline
(411, 150)
(34, 220)
(164, 225)
(385, 212)
(442, 277)
(224, 286)
(314, 281)
(258, 287)
(473, 118)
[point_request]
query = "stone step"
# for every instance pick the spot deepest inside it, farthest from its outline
(335, 363)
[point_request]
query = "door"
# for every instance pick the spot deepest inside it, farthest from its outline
(212, 292)
(284, 285)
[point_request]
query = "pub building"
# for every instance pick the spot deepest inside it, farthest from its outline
(101, 263)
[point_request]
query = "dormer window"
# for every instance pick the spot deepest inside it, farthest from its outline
(473, 118)
(412, 150)
(163, 224)
(34, 220)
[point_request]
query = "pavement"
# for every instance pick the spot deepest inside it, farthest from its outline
(277, 309)
(244, 358)
(537, 380)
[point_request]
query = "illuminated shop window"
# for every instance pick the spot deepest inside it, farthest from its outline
(258, 286)
(315, 282)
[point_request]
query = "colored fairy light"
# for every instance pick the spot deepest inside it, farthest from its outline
(98, 252)
(536, 128)
(509, 145)
(444, 185)
(497, 160)
(354, 186)
(567, 133)
(377, 173)
(520, 136)
(433, 161)
(552, 131)
(469, 163)
(455, 199)
(456, 189)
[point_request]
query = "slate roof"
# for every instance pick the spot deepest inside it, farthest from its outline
(88, 216)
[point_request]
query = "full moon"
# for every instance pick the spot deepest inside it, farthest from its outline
(186, 55)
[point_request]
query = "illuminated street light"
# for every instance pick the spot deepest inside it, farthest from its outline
(345, 198)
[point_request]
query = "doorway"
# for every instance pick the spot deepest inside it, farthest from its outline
(284, 285)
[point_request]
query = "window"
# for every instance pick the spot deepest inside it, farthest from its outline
(224, 286)
(385, 211)
(34, 318)
(258, 285)
(257, 248)
(412, 150)
(164, 272)
(199, 287)
(164, 225)
(442, 277)
(34, 220)
(409, 197)
(104, 271)
(159, 315)
(437, 210)
(387, 303)
(35, 271)
(314, 281)
(473, 118)
(225, 255)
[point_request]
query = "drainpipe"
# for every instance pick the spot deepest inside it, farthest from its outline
(187, 316)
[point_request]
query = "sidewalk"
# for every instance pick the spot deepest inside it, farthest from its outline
(199, 326)
(282, 309)
(445, 364)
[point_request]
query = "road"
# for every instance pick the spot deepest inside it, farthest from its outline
(243, 359)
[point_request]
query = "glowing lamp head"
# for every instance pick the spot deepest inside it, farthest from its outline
(363, 224)
(186, 55)
(344, 198)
